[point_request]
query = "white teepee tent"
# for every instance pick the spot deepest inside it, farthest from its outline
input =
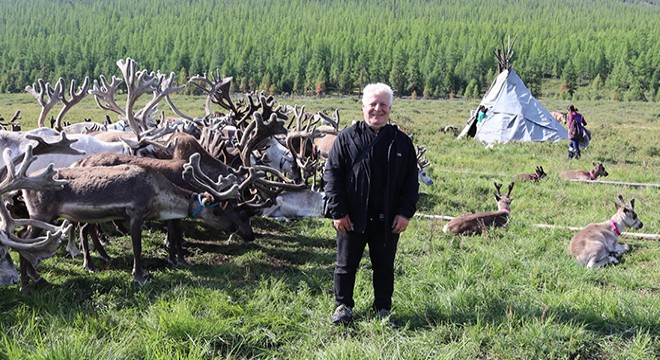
(513, 113)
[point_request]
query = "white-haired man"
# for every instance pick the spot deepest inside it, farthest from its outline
(372, 191)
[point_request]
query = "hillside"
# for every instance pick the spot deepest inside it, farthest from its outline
(423, 48)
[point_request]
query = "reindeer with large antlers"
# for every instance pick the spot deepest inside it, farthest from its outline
(475, 224)
(33, 250)
(422, 163)
(597, 244)
(138, 194)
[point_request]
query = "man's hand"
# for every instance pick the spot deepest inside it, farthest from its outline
(343, 225)
(400, 224)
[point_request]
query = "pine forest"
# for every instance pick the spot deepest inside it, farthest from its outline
(423, 48)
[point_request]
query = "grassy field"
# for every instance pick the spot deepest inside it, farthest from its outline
(513, 293)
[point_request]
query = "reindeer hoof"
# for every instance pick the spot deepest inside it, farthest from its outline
(29, 286)
(90, 268)
(183, 263)
(141, 279)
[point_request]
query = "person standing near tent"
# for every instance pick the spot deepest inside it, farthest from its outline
(372, 190)
(576, 123)
(481, 113)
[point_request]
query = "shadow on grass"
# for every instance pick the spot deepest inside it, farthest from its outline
(218, 262)
(499, 311)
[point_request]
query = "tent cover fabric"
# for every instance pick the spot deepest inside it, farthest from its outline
(513, 114)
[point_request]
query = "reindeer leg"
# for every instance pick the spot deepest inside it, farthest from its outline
(84, 245)
(597, 263)
(25, 279)
(139, 275)
(177, 232)
(28, 272)
(120, 227)
(170, 243)
(97, 235)
(620, 249)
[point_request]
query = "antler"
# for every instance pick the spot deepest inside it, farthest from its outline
(164, 89)
(62, 146)
(217, 90)
(328, 120)
(508, 194)
(76, 97)
(224, 189)
(257, 131)
(422, 161)
(498, 186)
(106, 92)
(14, 180)
(623, 202)
(47, 96)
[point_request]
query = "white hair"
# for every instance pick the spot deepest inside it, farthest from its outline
(377, 88)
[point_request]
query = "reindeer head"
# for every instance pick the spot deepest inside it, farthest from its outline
(503, 202)
(599, 170)
(627, 213)
(8, 272)
(423, 162)
(540, 173)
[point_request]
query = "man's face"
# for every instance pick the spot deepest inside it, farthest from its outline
(377, 109)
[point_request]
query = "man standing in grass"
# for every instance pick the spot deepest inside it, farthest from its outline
(372, 191)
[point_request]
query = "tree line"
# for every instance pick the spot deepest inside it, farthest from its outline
(423, 48)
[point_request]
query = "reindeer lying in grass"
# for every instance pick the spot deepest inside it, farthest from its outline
(597, 244)
(538, 175)
(475, 224)
(599, 170)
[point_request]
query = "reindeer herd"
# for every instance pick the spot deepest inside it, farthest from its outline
(251, 158)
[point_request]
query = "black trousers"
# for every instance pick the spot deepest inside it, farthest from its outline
(382, 250)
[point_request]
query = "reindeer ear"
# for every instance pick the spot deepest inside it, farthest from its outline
(632, 203)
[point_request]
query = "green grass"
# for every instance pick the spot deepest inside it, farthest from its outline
(512, 293)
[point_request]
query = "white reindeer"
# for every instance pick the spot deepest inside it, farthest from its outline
(296, 204)
(597, 244)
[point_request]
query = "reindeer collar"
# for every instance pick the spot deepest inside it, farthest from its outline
(503, 209)
(592, 175)
(534, 176)
(201, 206)
(614, 228)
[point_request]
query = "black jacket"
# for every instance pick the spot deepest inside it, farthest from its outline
(348, 170)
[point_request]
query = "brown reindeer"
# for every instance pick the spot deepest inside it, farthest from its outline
(138, 194)
(597, 244)
(234, 220)
(475, 224)
(560, 116)
(538, 175)
(599, 170)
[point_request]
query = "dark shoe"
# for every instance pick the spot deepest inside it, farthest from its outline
(577, 155)
(384, 316)
(343, 315)
(570, 154)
